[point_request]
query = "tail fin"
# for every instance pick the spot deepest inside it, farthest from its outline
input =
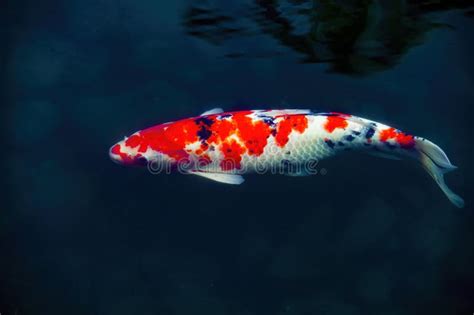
(436, 163)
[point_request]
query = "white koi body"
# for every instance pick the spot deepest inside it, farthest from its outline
(224, 146)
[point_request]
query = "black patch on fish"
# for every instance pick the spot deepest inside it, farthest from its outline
(341, 143)
(274, 132)
(329, 143)
(357, 133)
(350, 138)
(224, 116)
(370, 133)
(391, 146)
(267, 120)
(204, 133)
(204, 120)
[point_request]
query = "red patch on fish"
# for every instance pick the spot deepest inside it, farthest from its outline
(232, 152)
(171, 139)
(334, 122)
(199, 151)
(404, 140)
(254, 134)
(143, 147)
(117, 150)
(298, 123)
(133, 141)
(221, 129)
(387, 134)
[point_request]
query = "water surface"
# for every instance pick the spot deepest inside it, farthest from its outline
(82, 235)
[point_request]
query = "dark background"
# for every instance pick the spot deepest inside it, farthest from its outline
(82, 235)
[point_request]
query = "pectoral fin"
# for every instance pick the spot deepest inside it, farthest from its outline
(232, 179)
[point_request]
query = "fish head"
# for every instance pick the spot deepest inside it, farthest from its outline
(123, 154)
(137, 151)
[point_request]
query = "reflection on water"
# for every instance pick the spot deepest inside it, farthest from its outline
(353, 36)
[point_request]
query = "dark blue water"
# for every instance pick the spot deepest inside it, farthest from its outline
(82, 235)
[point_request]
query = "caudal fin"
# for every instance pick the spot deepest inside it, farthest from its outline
(436, 163)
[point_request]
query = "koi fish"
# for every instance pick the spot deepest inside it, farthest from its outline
(223, 146)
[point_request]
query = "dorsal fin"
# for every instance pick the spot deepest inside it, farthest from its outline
(213, 111)
(283, 112)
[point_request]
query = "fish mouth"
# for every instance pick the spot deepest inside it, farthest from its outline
(114, 156)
